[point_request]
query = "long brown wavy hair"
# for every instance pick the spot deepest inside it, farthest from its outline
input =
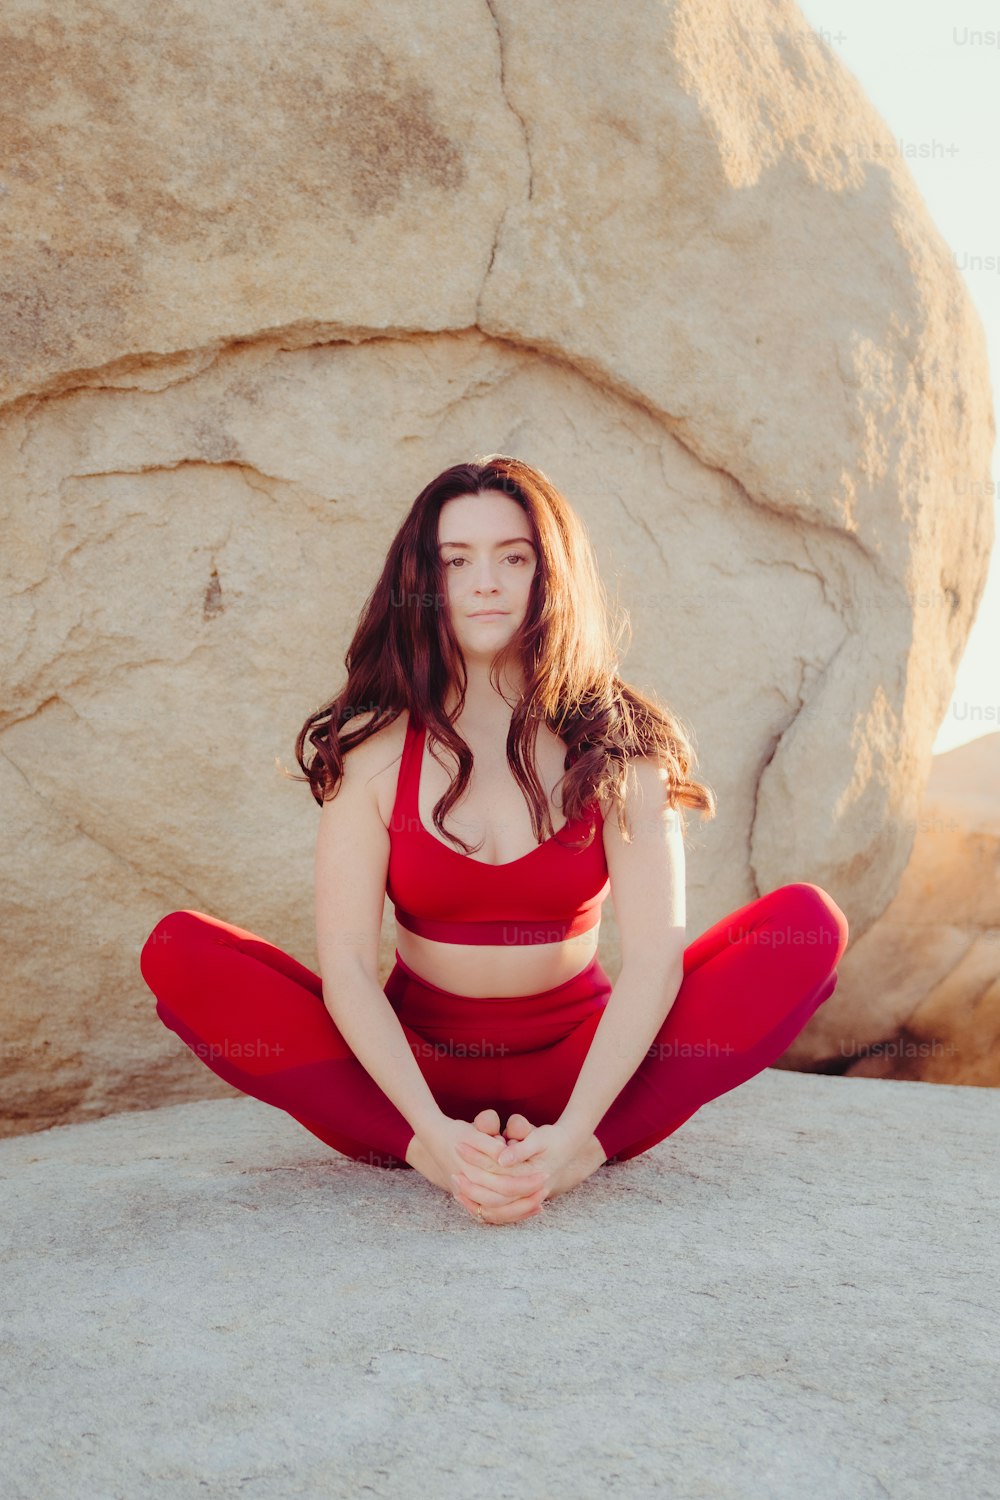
(405, 655)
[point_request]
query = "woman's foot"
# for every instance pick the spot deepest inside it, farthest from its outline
(488, 1121)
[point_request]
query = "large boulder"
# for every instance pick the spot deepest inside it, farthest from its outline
(264, 277)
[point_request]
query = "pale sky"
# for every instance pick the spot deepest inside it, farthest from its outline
(937, 87)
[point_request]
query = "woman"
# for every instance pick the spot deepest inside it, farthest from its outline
(487, 638)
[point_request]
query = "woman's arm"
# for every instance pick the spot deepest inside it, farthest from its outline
(637, 1008)
(648, 891)
(369, 1025)
(352, 860)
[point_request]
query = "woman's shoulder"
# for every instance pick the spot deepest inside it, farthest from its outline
(645, 776)
(380, 749)
(377, 759)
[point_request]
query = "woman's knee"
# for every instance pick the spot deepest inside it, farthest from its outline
(816, 917)
(168, 939)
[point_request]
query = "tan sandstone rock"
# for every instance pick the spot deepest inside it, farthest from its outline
(267, 271)
(919, 994)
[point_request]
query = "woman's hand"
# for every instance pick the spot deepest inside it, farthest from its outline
(480, 1186)
(449, 1148)
(555, 1149)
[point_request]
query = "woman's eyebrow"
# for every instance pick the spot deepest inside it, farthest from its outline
(508, 543)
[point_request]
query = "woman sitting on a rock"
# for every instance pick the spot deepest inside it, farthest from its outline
(487, 637)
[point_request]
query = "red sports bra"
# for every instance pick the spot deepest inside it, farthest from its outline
(549, 894)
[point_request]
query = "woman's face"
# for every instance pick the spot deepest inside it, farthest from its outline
(488, 560)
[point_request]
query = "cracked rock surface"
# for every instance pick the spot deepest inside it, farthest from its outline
(265, 274)
(783, 1298)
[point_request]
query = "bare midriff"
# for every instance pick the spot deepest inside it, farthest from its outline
(484, 972)
(495, 813)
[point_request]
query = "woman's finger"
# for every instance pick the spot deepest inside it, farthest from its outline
(485, 1159)
(489, 1146)
(502, 1177)
(517, 1151)
(491, 1194)
(468, 1154)
(510, 1213)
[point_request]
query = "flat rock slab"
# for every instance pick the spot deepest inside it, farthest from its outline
(796, 1293)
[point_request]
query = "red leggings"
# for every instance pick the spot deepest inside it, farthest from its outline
(256, 1017)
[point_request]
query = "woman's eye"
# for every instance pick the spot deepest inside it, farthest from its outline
(518, 556)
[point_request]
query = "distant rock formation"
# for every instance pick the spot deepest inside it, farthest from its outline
(919, 994)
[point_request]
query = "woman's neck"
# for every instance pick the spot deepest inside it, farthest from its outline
(484, 711)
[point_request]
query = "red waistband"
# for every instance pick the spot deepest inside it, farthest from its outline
(506, 933)
(522, 1022)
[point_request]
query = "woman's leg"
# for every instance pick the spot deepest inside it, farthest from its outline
(751, 982)
(256, 1017)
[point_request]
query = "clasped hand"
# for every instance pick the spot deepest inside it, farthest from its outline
(508, 1177)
